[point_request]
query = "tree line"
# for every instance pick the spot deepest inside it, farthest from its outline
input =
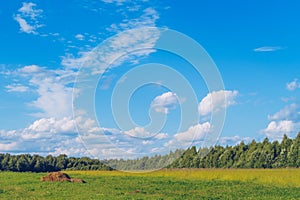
(37, 163)
(264, 154)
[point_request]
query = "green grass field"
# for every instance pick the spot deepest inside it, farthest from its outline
(164, 184)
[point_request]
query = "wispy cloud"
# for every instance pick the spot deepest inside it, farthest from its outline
(233, 140)
(54, 94)
(16, 88)
(28, 18)
(24, 26)
(268, 48)
(117, 2)
(54, 130)
(148, 18)
(291, 112)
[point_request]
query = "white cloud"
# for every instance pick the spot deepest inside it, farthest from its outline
(51, 125)
(141, 132)
(30, 69)
(79, 37)
(55, 99)
(275, 130)
(115, 50)
(44, 136)
(71, 62)
(160, 136)
(138, 132)
(165, 102)
(291, 112)
(125, 42)
(268, 49)
(72, 146)
(28, 18)
(215, 101)
(194, 133)
(233, 140)
(54, 132)
(52, 87)
(148, 18)
(46, 128)
(117, 2)
(285, 121)
(8, 146)
(24, 26)
(293, 85)
(16, 88)
(28, 9)
(147, 142)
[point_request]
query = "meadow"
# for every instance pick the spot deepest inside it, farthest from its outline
(163, 184)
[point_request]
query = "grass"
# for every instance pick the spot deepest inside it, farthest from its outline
(164, 184)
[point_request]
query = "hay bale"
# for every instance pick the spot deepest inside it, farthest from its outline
(60, 177)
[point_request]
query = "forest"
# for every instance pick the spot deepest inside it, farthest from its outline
(263, 154)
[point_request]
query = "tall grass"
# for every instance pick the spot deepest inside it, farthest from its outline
(163, 184)
(279, 177)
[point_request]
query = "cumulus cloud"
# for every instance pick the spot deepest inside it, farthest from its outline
(196, 132)
(275, 130)
(42, 136)
(285, 121)
(55, 99)
(51, 125)
(217, 100)
(293, 85)
(165, 102)
(28, 18)
(268, 49)
(194, 135)
(56, 136)
(49, 129)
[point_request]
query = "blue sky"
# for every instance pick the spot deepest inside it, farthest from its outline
(44, 44)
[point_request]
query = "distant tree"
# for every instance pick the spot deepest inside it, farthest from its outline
(22, 164)
(294, 153)
(253, 155)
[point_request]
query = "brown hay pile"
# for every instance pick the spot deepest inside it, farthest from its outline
(60, 177)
